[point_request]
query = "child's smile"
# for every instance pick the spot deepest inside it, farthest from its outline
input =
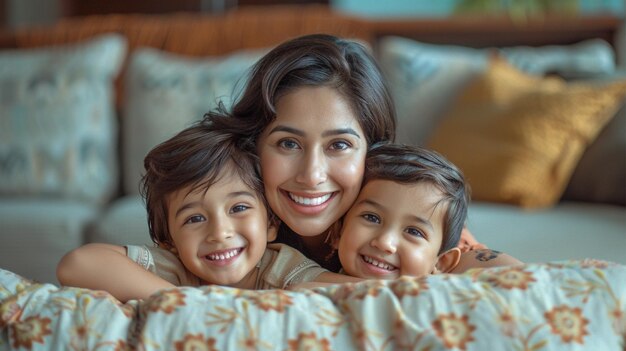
(377, 266)
(224, 257)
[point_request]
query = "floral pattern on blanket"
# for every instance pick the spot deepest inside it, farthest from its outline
(569, 305)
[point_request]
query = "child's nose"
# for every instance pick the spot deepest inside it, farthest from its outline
(219, 230)
(386, 241)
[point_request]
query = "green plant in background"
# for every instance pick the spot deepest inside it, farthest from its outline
(519, 9)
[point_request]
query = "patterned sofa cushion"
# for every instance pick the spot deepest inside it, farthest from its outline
(58, 130)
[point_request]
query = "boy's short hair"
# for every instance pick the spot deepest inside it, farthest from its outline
(194, 157)
(411, 165)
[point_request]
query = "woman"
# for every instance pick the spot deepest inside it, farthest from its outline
(311, 108)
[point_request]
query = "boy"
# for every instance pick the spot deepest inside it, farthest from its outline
(408, 217)
(208, 216)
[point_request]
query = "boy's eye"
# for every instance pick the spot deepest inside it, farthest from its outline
(288, 144)
(239, 208)
(195, 219)
(415, 232)
(340, 145)
(371, 218)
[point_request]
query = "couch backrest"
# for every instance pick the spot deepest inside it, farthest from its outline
(196, 34)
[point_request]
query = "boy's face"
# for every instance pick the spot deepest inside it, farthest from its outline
(393, 229)
(221, 233)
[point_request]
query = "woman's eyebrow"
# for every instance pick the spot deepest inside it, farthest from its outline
(299, 132)
(341, 131)
(287, 129)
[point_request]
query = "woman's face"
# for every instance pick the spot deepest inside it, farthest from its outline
(312, 159)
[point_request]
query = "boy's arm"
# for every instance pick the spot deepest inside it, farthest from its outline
(484, 258)
(106, 267)
(326, 279)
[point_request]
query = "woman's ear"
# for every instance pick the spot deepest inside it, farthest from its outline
(447, 261)
(272, 232)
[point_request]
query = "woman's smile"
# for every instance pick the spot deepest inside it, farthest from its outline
(309, 204)
(310, 200)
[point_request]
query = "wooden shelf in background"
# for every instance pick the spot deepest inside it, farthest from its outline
(498, 31)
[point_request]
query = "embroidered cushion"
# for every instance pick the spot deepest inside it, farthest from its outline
(58, 129)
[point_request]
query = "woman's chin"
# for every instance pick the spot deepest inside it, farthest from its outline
(309, 230)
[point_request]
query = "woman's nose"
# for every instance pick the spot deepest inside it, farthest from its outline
(313, 170)
(386, 241)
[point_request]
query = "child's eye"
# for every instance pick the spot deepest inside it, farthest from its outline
(415, 232)
(195, 219)
(239, 208)
(288, 144)
(340, 145)
(371, 218)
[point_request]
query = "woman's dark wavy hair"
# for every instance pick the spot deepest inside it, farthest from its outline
(194, 157)
(411, 165)
(311, 61)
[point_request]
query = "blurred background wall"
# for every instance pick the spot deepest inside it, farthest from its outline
(17, 13)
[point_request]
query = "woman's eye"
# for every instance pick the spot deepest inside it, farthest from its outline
(415, 232)
(288, 144)
(371, 218)
(239, 208)
(340, 145)
(195, 219)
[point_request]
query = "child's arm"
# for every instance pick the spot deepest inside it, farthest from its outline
(106, 267)
(326, 279)
(484, 258)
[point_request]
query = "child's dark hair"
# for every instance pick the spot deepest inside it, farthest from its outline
(194, 157)
(411, 164)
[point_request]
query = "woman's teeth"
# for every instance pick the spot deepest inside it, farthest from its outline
(224, 255)
(310, 201)
(378, 264)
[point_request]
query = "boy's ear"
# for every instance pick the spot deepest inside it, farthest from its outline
(272, 232)
(447, 261)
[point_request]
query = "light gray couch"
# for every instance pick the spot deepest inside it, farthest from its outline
(76, 181)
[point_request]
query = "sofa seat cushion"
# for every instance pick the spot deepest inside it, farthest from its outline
(36, 233)
(569, 230)
(124, 222)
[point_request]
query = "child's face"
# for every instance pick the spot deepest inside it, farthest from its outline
(221, 233)
(392, 229)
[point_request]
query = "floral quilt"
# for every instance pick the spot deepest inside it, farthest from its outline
(565, 305)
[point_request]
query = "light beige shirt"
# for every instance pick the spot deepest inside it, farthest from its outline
(280, 266)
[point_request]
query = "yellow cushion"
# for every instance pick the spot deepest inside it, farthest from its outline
(518, 138)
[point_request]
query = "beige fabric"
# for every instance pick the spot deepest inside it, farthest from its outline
(280, 266)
